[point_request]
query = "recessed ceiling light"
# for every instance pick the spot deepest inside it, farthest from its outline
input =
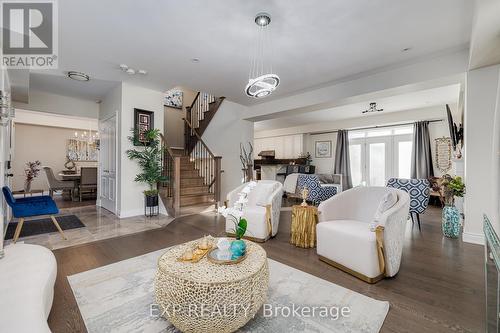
(130, 71)
(195, 60)
(123, 67)
(142, 72)
(78, 76)
(406, 49)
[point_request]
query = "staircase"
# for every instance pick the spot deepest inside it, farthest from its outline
(194, 172)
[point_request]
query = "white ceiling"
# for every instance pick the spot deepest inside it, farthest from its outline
(409, 101)
(315, 41)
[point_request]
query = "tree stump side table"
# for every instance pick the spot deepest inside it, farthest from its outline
(303, 231)
(209, 298)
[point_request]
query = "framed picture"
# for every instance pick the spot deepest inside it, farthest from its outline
(173, 99)
(323, 149)
(143, 121)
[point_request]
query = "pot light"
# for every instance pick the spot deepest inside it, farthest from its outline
(130, 71)
(142, 72)
(78, 76)
(195, 60)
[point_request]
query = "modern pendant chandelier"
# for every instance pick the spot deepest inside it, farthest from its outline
(261, 79)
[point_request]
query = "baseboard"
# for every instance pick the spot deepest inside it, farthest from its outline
(472, 238)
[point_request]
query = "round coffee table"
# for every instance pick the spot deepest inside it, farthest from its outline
(207, 297)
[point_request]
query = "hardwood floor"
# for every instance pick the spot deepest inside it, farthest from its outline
(439, 288)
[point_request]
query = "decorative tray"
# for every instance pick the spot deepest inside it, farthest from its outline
(213, 257)
(196, 254)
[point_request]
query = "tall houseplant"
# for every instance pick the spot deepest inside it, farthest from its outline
(149, 158)
(452, 187)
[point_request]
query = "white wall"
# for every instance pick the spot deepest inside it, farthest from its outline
(325, 165)
(481, 99)
(223, 136)
(173, 123)
(47, 102)
(287, 146)
(131, 199)
(111, 103)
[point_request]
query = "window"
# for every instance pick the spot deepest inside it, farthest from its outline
(379, 154)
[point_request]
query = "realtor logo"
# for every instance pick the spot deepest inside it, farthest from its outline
(29, 34)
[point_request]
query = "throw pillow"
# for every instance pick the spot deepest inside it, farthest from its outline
(388, 200)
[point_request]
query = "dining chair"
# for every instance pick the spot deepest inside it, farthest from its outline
(56, 184)
(88, 180)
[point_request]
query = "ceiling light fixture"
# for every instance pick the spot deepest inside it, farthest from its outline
(78, 76)
(261, 79)
(372, 108)
(195, 60)
(132, 71)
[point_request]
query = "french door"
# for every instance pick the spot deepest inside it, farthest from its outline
(107, 164)
(376, 159)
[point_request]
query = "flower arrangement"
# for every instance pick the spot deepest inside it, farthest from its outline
(31, 172)
(452, 187)
(235, 213)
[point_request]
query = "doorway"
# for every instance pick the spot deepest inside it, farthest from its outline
(107, 164)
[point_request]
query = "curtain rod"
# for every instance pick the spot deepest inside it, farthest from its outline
(373, 127)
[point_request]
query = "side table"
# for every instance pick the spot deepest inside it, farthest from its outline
(303, 231)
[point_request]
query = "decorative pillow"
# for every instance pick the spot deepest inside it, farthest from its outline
(263, 193)
(388, 200)
(325, 178)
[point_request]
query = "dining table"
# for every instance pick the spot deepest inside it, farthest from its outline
(75, 177)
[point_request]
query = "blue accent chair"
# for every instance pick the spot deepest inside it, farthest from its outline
(31, 206)
(317, 192)
(419, 191)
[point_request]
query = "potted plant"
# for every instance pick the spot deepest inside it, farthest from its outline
(235, 213)
(149, 157)
(31, 172)
(452, 187)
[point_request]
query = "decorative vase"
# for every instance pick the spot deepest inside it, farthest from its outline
(451, 221)
(238, 248)
(27, 186)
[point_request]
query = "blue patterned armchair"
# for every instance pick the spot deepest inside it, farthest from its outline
(419, 191)
(317, 192)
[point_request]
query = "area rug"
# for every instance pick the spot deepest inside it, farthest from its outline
(118, 298)
(44, 226)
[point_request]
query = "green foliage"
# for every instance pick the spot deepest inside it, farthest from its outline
(454, 185)
(241, 228)
(149, 158)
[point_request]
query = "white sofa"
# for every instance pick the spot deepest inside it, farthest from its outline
(27, 276)
(352, 237)
(262, 210)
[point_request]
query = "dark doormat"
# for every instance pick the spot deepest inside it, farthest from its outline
(44, 226)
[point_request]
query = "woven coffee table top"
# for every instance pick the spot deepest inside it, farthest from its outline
(208, 272)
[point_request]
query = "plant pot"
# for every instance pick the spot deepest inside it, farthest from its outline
(151, 205)
(27, 186)
(451, 221)
(238, 248)
(151, 200)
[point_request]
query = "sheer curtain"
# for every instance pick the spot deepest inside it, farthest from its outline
(342, 164)
(421, 156)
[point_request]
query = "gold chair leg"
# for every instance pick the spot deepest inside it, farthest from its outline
(57, 226)
(18, 229)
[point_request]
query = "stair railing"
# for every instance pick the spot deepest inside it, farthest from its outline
(196, 112)
(206, 163)
(172, 171)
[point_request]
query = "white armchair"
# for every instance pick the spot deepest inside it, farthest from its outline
(262, 211)
(361, 236)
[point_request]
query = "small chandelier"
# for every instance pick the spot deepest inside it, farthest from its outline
(261, 79)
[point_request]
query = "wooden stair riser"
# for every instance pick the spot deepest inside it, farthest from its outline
(187, 200)
(194, 190)
(191, 182)
(189, 174)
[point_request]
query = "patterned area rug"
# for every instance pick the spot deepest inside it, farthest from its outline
(118, 298)
(44, 226)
